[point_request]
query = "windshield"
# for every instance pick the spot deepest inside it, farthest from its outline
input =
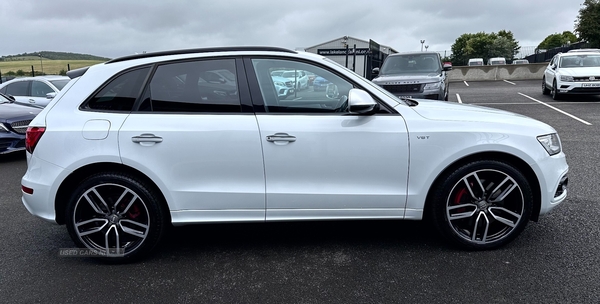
(410, 64)
(59, 84)
(577, 61)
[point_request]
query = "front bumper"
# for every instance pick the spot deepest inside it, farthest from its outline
(10, 142)
(584, 88)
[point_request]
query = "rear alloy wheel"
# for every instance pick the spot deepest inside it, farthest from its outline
(554, 91)
(482, 205)
(545, 89)
(115, 216)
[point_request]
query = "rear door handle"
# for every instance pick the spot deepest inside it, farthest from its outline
(281, 137)
(146, 138)
(32, 100)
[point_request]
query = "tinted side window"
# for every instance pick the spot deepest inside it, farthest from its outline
(18, 88)
(196, 86)
(120, 93)
(40, 89)
(327, 93)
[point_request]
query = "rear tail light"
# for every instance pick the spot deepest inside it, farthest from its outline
(33, 137)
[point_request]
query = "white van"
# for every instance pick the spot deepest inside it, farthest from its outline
(475, 62)
(497, 61)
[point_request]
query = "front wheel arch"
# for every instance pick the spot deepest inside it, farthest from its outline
(510, 159)
(76, 177)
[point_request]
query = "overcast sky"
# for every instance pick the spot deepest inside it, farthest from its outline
(113, 28)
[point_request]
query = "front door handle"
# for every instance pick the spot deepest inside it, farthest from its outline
(31, 100)
(146, 138)
(278, 137)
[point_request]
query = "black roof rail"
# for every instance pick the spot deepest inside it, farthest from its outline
(203, 50)
(76, 73)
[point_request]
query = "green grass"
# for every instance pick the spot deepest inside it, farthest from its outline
(50, 67)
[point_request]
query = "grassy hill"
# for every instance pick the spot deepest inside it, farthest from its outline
(50, 63)
(52, 56)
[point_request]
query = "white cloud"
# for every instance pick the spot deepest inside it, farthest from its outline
(115, 28)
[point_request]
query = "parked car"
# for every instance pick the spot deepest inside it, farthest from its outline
(572, 73)
(283, 86)
(497, 61)
(414, 75)
(320, 84)
(298, 77)
(127, 164)
(520, 61)
(583, 50)
(34, 91)
(14, 120)
(475, 62)
(4, 79)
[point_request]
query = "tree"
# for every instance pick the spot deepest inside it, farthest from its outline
(557, 40)
(483, 45)
(587, 25)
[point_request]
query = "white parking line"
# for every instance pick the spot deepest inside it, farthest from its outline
(558, 110)
(466, 83)
(458, 97)
(509, 82)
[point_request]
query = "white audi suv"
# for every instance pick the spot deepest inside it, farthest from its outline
(139, 143)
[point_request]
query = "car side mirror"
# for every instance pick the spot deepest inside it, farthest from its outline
(50, 95)
(376, 71)
(361, 102)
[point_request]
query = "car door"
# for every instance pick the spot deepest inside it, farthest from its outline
(200, 143)
(38, 92)
(551, 71)
(320, 161)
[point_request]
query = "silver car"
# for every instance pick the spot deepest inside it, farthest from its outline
(34, 91)
(414, 75)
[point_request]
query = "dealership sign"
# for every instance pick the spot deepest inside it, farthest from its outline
(363, 51)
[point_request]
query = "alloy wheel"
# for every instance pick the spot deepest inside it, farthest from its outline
(111, 219)
(485, 206)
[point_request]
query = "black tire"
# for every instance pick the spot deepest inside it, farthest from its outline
(545, 90)
(117, 217)
(481, 205)
(554, 91)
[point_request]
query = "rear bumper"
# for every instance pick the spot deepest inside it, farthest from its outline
(43, 177)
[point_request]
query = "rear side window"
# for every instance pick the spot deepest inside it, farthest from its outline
(20, 88)
(120, 93)
(194, 86)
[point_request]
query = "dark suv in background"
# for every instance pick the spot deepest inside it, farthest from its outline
(414, 75)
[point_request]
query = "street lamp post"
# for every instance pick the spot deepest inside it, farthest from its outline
(422, 41)
(426, 47)
(41, 63)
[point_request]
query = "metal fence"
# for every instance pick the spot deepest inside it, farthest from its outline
(546, 55)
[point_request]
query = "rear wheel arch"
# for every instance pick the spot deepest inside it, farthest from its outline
(512, 160)
(76, 177)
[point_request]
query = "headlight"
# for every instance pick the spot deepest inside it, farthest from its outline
(432, 86)
(3, 129)
(281, 84)
(550, 142)
(566, 78)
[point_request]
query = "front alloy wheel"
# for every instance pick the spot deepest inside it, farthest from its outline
(554, 91)
(483, 205)
(545, 90)
(115, 216)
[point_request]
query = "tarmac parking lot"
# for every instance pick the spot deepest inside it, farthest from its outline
(555, 260)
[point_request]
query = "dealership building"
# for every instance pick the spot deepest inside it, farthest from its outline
(359, 55)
